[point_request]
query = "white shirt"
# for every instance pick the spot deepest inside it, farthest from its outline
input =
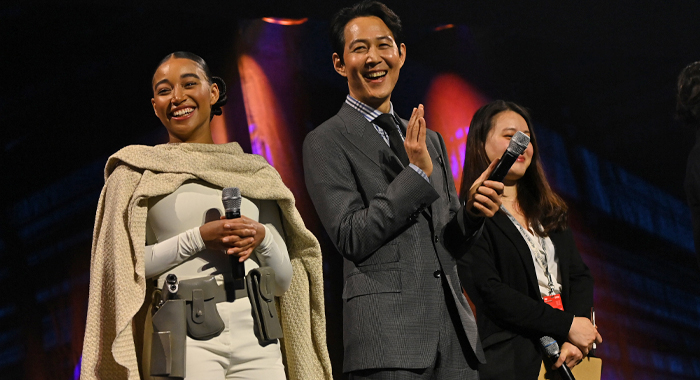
(552, 261)
(170, 250)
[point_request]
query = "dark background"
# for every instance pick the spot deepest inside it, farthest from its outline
(599, 78)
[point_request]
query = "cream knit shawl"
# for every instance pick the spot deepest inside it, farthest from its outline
(117, 281)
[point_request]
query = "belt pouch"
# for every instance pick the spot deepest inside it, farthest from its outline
(169, 340)
(201, 296)
(260, 283)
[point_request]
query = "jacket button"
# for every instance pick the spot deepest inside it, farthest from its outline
(437, 274)
(437, 239)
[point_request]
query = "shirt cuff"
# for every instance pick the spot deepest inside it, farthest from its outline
(265, 246)
(420, 171)
(473, 222)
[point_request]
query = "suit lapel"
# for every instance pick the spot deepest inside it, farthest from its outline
(362, 134)
(504, 223)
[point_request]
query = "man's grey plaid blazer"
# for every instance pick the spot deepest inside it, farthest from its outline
(393, 228)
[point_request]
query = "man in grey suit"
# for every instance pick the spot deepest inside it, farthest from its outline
(391, 208)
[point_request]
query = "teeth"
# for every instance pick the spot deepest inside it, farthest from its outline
(182, 112)
(376, 74)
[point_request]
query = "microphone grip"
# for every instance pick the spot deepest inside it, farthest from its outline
(564, 370)
(503, 166)
(237, 267)
(238, 270)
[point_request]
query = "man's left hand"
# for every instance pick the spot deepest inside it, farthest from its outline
(415, 146)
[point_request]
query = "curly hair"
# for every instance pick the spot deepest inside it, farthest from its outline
(363, 9)
(542, 207)
(688, 99)
(216, 107)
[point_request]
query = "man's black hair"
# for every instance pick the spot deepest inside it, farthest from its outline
(363, 9)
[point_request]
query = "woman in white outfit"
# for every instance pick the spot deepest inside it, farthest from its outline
(185, 239)
(167, 199)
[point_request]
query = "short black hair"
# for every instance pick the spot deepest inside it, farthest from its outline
(216, 108)
(688, 99)
(365, 8)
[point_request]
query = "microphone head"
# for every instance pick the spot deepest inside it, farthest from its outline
(231, 198)
(518, 143)
(550, 346)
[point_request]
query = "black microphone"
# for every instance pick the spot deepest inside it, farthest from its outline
(231, 198)
(551, 349)
(517, 146)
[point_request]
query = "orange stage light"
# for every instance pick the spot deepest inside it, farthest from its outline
(449, 106)
(443, 27)
(269, 132)
(285, 21)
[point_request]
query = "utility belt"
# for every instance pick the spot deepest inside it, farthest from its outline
(188, 308)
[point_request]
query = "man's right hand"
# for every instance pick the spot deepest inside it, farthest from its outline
(582, 334)
(485, 196)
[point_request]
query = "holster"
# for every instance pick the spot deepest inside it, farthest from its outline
(169, 340)
(201, 296)
(260, 283)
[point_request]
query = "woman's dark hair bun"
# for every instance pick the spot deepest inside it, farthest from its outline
(216, 108)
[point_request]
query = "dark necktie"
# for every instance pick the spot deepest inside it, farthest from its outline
(387, 123)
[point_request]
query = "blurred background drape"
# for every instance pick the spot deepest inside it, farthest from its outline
(599, 79)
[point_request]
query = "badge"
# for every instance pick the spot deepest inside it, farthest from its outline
(554, 301)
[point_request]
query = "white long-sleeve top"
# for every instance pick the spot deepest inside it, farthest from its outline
(174, 244)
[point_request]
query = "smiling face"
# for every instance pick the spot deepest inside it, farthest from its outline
(504, 125)
(371, 61)
(182, 100)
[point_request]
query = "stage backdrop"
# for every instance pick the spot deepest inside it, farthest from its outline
(601, 99)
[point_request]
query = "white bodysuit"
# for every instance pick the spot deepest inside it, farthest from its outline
(174, 245)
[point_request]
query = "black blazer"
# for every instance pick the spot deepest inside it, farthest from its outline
(499, 275)
(692, 190)
(393, 229)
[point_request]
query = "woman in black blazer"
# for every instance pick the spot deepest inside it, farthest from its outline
(524, 274)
